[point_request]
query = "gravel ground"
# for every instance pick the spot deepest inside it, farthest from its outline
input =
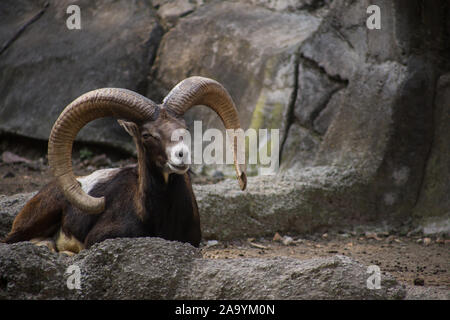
(413, 260)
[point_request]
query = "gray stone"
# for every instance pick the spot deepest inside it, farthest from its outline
(300, 148)
(337, 277)
(323, 120)
(315, 89)
(228, 42)
(299, 201)
(427, 293)
(382, 122)
(31, 272)
(289, 5)
(141, 268)
(170, 11)
(433, 206)
(152, 268)
(48, 65)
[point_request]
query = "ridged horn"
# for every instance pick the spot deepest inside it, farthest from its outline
(107, 102)
(204, 91)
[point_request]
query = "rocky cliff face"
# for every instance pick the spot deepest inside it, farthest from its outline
(363, 113)
(47, 66)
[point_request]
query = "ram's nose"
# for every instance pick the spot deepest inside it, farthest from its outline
(179, 158)
(180, 154)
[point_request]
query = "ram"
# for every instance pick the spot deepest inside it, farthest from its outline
(151, 198)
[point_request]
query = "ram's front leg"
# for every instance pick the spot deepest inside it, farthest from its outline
(68, 244)
(40, 218)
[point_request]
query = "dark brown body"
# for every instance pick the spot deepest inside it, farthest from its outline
(170, 215)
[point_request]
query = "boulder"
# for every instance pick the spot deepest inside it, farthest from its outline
(31, 272)
(433, 207)
(366, 98)
(152, 268)
(47, 65)
(314, 199)
(315, 89)
(290, 5)
(300, 147)
(170, 11)
(227, 41)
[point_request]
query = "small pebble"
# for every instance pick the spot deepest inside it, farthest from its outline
(287, 240)
(277, 237)
(371, 235)
(9, 174)
(218, 174)
(211, 243)
(419, 282)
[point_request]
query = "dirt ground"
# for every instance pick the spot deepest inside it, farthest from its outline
(412, 258)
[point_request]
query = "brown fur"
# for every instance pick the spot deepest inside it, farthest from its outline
(40, 217)
(141, 200)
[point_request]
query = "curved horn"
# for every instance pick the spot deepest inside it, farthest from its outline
(203, 91)
(108, 102)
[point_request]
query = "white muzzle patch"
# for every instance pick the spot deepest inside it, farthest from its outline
(179, 157)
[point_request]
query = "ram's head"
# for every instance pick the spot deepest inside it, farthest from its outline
(150, 124)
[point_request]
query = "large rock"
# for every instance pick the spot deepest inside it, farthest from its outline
(289, 5)
(315, 89)
(368, 102)
(152, 268)
(228, 41)
(170, 11)
(357, 125)
(433, 207)
(31, 272)
(300, 147)
(312, 200)
(48, 65)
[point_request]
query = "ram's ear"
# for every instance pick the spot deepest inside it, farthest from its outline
(129, 127)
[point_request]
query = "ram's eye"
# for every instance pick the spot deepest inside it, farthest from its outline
(149, 135)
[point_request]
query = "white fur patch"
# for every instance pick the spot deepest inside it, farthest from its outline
(175, 158)
(88, 182)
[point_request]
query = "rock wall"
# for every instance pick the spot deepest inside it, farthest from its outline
(433, 203)
(47, 66)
